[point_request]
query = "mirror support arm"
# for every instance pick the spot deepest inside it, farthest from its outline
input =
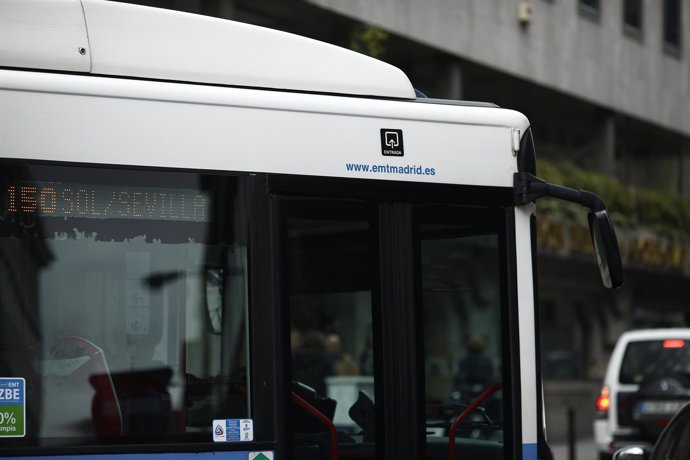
(528, 187)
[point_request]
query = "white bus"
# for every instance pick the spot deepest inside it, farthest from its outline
(219, 240)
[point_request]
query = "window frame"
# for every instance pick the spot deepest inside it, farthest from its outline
(285, 207)
(592, 12)
(672, 49)
(405, 197)
(632, 30)
(138, 176)
(268, 324)
(502, 221)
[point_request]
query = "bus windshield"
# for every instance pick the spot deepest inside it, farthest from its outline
(124, 303)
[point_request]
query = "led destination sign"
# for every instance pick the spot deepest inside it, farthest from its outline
(52, 199)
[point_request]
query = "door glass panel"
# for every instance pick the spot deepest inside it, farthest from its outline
(461, 301)
(329, 269)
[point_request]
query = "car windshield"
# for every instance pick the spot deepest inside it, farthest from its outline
(654, 357)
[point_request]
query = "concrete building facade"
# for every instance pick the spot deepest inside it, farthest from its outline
(585, 52)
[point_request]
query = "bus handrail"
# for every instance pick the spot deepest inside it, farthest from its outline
(491, 389)
(321, 418)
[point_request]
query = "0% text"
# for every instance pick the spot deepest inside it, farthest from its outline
(7, 418)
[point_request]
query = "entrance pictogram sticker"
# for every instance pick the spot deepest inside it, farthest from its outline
(12, 407)
(392, 142)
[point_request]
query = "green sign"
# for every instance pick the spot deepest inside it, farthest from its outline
(12, 407)
(261, 456)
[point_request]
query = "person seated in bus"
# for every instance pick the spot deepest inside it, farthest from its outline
(311, 363)
(343, 362)
(475, 370)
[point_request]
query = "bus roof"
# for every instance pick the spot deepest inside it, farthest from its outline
(109, 38)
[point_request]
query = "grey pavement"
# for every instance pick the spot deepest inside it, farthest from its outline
(584, 450)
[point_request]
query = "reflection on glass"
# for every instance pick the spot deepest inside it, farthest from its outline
(329, 274)
(462, 332)
(126, 304)
(214, 298)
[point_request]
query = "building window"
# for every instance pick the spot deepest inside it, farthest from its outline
(590, 8)
(671, 29)
(632, 17)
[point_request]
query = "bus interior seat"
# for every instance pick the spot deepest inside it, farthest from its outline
(305, 423)
(144, 400)
(363, 413)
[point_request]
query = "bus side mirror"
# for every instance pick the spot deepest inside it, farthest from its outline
(606, 248)
(528, 188)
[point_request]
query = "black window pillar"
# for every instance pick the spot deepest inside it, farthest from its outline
(403, 378)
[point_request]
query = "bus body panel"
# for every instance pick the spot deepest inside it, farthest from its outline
(119, 39)
(44, 34)
(528, 367)
(142, 123)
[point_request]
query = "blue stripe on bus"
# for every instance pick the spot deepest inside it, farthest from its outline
(529, 452)
(157, 456)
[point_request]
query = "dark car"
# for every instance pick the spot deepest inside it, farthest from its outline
(673, 444)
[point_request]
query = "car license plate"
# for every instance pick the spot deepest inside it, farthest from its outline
(661, 407)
